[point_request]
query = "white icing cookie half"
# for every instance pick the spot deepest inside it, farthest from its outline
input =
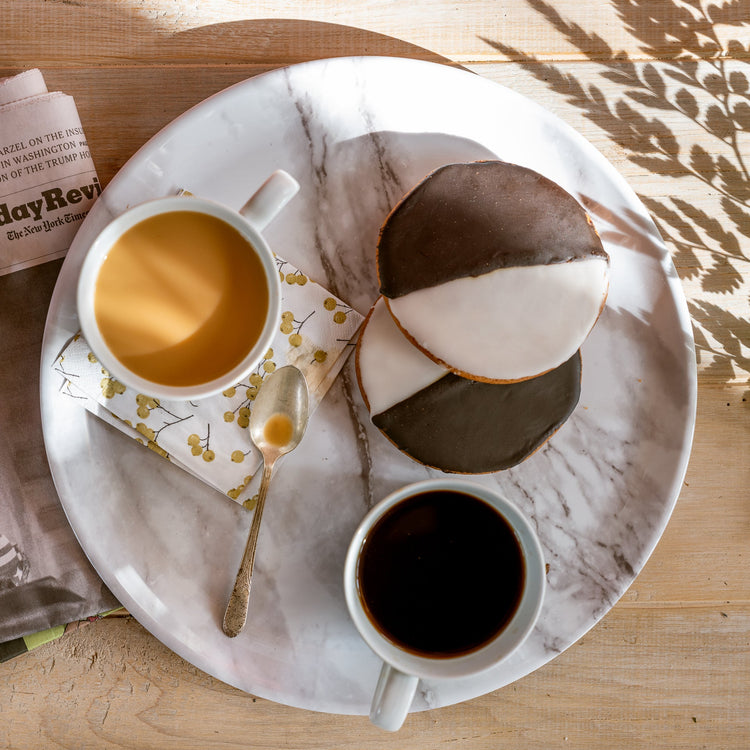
(509, 324)
(389, 368)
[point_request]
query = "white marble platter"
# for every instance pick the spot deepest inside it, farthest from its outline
(357, 133)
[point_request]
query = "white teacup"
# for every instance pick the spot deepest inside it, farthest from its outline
(169, 284)
(404, 664)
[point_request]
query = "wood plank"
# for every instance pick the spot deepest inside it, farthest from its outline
(224, 32)
(703, 556)
(659, 677)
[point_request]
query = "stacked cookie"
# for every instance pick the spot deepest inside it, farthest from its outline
(491, 277)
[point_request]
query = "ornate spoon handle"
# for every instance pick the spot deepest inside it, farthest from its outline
(236, 613)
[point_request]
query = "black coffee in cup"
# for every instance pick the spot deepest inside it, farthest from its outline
(441, 573)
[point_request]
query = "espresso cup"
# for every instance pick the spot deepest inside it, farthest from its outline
(443, 579)
(179, 298)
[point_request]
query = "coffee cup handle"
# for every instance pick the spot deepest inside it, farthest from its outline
(270, 198)
(392, 699)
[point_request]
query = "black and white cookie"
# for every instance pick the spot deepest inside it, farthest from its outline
(450, 422)
(492, 270)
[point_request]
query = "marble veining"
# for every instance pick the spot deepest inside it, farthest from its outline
(357, 134)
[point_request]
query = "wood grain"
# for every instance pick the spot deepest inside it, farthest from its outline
(640, 679)
(669, 665)
(82, 32)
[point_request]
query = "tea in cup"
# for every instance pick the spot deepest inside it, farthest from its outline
(443, 579)
(179, 297)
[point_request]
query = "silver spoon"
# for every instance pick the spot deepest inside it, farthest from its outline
(277, 424)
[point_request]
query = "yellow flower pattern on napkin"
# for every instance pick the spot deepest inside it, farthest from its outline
(209, 438)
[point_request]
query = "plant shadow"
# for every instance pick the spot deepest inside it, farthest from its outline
(685, 118)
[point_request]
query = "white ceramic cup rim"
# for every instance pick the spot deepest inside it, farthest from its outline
(97, 254)
(500, 647)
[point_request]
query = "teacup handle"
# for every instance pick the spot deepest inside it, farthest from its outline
(270, 198)
(393, 696)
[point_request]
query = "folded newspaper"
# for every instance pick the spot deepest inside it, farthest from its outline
(47, 185)
(47, 178)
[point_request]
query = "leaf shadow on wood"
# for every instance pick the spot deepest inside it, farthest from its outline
(706, 79)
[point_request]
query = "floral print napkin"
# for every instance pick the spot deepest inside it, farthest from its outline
(209, 438)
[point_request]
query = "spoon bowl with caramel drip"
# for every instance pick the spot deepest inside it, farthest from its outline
(277, 424)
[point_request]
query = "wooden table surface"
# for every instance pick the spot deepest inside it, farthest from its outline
(662, 88)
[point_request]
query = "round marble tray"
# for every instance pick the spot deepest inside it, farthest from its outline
(357, 133)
